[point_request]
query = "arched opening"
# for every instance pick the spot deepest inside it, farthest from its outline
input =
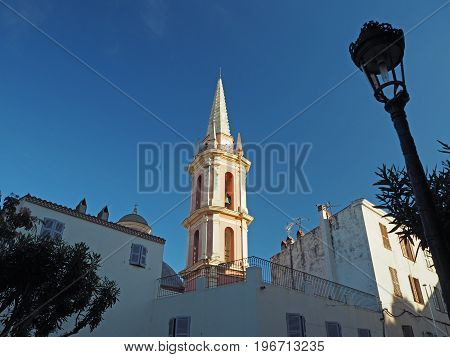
(195, 247)
(198, 192)
(229, 244)
(229, 191)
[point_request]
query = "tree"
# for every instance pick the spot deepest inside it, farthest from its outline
(46, 283)
(397, 198)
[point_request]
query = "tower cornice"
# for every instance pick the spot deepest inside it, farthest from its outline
(209, 210)
(202, 159)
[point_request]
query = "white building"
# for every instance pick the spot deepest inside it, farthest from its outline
(131, 256)
(354, 248)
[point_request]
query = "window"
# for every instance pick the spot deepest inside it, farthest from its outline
(385, 236)
(333, 329)
(428, 259)
(416, 289)
(407, 249)
(229, 190)
(364, 332)
(198, 192)
(407, 331)
(180, 327)
(229, 244)
(295, 325)
(395, 283)
(52, 228)
(438, 300)
(138, 255)
(195, 247)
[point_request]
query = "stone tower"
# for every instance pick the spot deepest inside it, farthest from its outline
(218, 219)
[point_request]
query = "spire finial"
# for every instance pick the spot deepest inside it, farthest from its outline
(134, 211)
(220, 72)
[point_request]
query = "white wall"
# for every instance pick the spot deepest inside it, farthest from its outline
(129, 316)
(358, 259)
(252, 308)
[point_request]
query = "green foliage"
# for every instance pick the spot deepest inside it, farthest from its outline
(46, 283)
(397, 198)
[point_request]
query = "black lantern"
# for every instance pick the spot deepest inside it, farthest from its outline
(378, 52)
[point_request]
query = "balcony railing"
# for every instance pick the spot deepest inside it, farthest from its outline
(272, 273)
(224, 147)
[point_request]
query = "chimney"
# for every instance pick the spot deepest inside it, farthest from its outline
(323, 212)
(103, 214)
(82, 206)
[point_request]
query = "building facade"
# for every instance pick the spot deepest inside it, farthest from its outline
(132, 257)
(355, 248)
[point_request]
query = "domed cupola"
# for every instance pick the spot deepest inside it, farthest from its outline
(135, 221)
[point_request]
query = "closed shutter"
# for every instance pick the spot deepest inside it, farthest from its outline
(395, 283)
(385, 236)
(143, 259)
(182, 326)
(135, 254)
(416, 289)
(407, 331)
(295, 325)
(364, 332)
(58, 229)
(333, 329)
(47, 227)
(171, 328)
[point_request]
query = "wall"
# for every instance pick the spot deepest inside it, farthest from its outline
(252, 308)
(137, 285)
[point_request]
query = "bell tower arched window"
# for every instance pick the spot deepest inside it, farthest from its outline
(229, 191)
(229, 245)
(195, 247)
(198, 192)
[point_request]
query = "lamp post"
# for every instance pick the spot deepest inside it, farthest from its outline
(378, 52)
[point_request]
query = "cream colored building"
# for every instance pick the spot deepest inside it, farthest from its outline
(354, 248)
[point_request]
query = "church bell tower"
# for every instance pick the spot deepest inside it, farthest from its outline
(218, 220)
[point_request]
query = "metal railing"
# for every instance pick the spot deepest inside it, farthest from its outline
(272, 273)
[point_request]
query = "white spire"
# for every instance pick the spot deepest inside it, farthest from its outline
(219, 116)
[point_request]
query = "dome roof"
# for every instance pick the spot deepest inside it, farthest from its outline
(169, 279)
(135, 221)
(133, 217)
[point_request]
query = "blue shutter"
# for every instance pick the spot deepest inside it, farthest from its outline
(58, 229)
(135, 254)
(295, 325)
(143, 258)
(47, 227)
(182, 326)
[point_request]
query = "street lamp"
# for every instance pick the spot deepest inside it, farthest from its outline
(378, 52)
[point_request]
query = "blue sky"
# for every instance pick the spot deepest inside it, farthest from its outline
(66, 133)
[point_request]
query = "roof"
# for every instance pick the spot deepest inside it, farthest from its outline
(74, 213)
(133, 217)
(169, 279)
(218, 119)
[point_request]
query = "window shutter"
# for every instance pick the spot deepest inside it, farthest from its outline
(135, 254)
(295, 325)
(143, 259)
(416, 289)
(395, 283)
(407, 331)
(333, 329)
(58, 229)
(182, 326)
(171, 328)
(47, 227)
(364, 332)
(385, 236)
